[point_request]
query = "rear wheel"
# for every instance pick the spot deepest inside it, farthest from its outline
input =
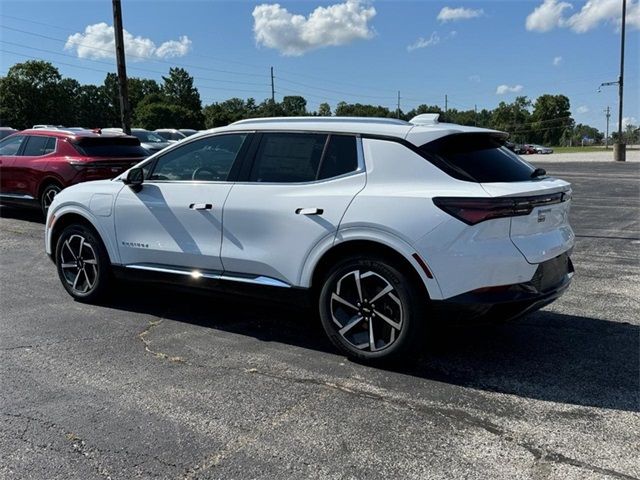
(371, 310)
(48, 194)
(82, 263)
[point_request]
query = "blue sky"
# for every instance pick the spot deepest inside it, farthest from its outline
(478, 53)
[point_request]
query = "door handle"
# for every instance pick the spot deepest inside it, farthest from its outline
(200, 206)
(309, 211)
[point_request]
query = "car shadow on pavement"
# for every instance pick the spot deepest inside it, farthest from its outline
(547, 356)
(33, 215)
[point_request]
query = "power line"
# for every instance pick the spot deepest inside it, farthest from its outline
(82, 67)
(235, 82)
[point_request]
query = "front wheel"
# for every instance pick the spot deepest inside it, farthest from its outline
(82, 263)
(372, 311)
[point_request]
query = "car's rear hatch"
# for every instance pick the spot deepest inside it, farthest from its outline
(537, 205)
(108, 154)
(544, 232)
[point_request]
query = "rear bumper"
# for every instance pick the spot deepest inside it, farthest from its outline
(550, 281)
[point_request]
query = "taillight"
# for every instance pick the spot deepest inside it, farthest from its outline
(472, 210)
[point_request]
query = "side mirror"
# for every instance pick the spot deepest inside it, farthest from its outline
(134, 179)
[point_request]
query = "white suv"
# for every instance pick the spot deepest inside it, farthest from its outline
(382, 223)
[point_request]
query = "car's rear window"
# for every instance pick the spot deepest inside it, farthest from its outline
(477, 157)
(114, 147)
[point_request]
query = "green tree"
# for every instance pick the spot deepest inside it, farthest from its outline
(294, 106)
(324, 110)
(179, 89)
(551, 118)
(223, 113)
(31, 93)
(344, 109)
(138, 89)
(513, 118)
(93, 107)
(154, 112)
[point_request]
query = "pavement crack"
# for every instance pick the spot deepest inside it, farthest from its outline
(456, 415)
(147, 343)
(78, 445)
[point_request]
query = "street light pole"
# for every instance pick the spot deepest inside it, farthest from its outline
(619, 148)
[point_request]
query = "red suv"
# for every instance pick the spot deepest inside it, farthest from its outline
(36, 164)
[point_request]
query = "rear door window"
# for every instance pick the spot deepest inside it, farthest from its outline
(288, 157)
(477, 157)
(340, 157)
(303, 157)
(36, 146)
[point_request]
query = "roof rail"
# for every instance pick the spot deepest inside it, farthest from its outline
(383, 120)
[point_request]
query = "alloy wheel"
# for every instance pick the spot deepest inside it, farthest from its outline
(79, 264)
(49, 195)
(367, 310)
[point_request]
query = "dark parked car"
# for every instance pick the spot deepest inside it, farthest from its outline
(36, 164)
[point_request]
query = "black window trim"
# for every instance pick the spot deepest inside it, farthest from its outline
(235, 167)
(250, 159)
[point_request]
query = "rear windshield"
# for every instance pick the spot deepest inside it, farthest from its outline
(114, 147)
(477, 157)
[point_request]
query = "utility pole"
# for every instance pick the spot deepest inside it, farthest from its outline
(398, 109)
(606, 138)
(446, 103)
(619, 148)
(475, 117)
(125, 112)
(273, 88)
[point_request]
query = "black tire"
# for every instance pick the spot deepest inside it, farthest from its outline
(375, 274)
(47, 195)
(87, 281)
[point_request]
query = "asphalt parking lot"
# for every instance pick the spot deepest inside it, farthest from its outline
(162, 384)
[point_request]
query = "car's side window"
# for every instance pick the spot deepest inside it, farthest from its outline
(340, 157)
(288, 157)
(51, 146)
(303, 157)
(10, 146)
(36, 146)
(206, 159)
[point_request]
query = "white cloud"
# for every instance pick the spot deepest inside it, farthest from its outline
(582, 109)
(557, 61)
(339, 24)
(547, 16)
(448, 14)
(434, 39)
(502, 89)
(595, 12)
(629, 121)
(97, 41)
(550, 15)
(474, 78)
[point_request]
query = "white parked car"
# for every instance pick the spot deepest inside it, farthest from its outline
(384, 224)
(542, 149)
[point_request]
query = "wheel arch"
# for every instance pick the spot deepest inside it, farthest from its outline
(66, 217)
(401, 256)
(48, 180)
